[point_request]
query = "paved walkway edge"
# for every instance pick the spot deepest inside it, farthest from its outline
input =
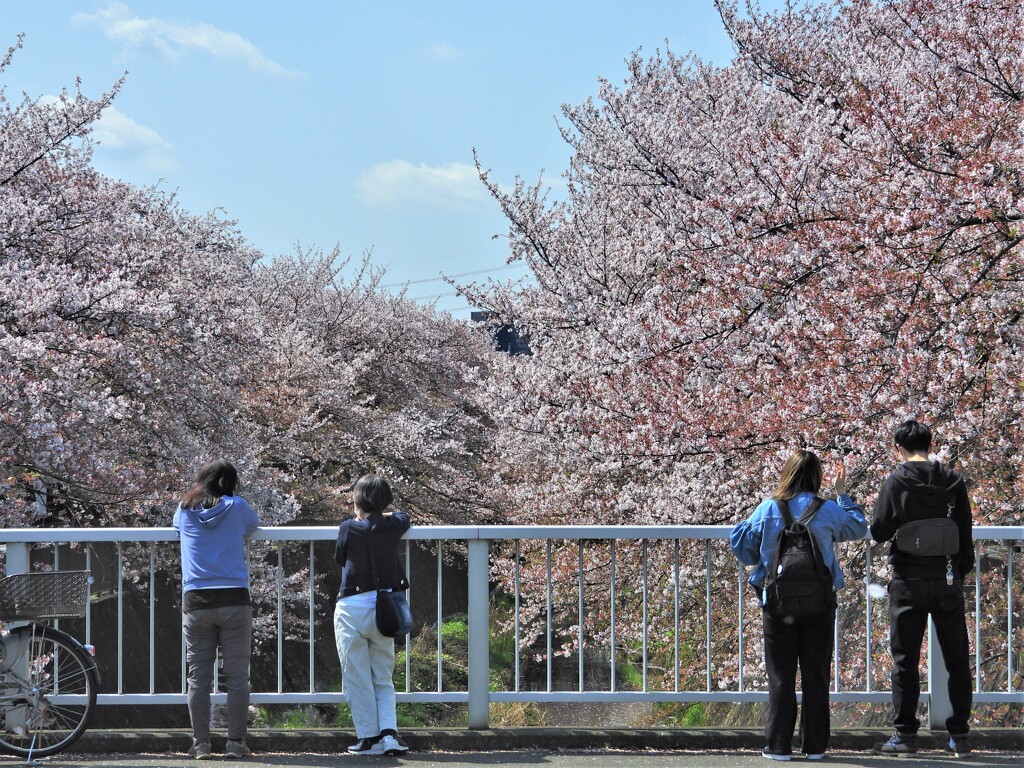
(519, 739)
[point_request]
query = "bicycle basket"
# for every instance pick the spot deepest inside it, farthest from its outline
(44, 595)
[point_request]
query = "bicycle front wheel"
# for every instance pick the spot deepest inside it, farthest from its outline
(47, 691)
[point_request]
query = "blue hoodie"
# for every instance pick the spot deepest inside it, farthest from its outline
(213, 544)
(754, 540)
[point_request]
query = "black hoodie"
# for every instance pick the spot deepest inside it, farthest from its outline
(919, 490)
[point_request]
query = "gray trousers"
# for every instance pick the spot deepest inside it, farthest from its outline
(230, 629)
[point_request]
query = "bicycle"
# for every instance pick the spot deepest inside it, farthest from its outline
(48, 679)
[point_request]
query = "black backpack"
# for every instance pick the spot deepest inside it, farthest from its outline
(798, 584)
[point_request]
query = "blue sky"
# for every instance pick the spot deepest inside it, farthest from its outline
(342, 123)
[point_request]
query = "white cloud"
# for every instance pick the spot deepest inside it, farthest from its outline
(116, 132)
(451, 186)
(443, 51)
(175, 39)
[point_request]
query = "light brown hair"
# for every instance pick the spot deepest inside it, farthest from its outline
(801, 472)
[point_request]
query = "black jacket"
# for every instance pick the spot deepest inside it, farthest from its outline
(919, 490)
(383, 534)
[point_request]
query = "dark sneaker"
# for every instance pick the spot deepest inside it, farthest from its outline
(960, 746)
(392, 745)
(200, 750)
(899, 745)
(236, 749)
(775, 755)
(367, 747)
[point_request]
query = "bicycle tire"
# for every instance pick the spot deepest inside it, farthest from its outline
(38, 719)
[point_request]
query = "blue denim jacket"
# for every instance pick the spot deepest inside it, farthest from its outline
(753, 541)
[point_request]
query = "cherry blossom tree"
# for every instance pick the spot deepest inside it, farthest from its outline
(801, 248)
(138, 339)
(121, 328)
(358, 380)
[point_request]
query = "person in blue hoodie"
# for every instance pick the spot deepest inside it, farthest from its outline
(807, 640)
(213, 524)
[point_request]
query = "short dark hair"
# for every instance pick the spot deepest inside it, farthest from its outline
(913, 436)
(372, 494)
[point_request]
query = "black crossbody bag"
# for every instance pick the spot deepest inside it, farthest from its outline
(393, 616)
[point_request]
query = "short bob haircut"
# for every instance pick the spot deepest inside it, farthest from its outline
(372, 494)
(801, 472)
(913, 436)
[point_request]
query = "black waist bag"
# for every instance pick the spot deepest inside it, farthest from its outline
(798, 584)
(931, 536)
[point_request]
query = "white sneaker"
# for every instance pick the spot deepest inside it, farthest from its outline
(367, 747)
(774, 756)
(392, 745)
(817, 756)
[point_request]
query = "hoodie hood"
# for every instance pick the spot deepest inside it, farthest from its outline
(930, 479)
(209, 518)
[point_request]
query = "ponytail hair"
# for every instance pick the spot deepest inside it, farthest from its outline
(801, 472)
(216, 478)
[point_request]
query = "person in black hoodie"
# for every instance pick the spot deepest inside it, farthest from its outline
(924, 585)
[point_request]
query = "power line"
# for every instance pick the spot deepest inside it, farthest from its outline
(460, 274)
(435, 296)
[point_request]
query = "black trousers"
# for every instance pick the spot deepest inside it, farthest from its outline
(910, 603)
(808, 643)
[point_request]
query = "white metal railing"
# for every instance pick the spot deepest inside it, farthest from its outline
(477, 542)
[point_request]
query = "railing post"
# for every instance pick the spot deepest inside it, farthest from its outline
(939, 705)
(479, 662)
(18, 558)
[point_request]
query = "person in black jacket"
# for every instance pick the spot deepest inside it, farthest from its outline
(368, 657)
(924, 585)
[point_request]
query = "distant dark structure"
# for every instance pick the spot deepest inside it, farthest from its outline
(505, 337)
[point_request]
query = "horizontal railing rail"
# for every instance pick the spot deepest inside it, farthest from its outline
(477, 548)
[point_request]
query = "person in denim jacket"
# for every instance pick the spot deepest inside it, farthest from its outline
(805, 641)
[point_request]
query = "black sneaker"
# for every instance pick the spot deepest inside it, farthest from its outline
(900, 744)
(367, 747)
(960, 746)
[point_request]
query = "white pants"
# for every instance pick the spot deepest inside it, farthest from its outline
(367, 665)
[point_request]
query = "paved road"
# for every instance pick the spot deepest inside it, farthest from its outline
(542, 759)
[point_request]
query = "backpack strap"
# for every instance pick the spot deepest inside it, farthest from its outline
(787, 516)
(805, 518)
(812, 510)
